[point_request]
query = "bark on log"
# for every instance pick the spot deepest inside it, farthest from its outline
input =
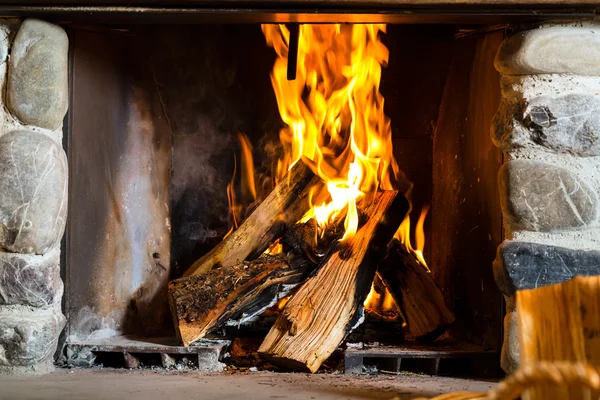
(233, 294)
(416, 293)
(330, 303)
(285, 204)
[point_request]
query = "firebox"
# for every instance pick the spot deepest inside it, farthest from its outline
(193, 133)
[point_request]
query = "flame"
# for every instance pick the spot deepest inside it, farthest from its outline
(248, 187)
(334, 115)
(275, 248)
(403, 235)
(381, 300)
(283, 302)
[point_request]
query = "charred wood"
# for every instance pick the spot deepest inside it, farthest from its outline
(414, 290)
(286, 204)
(232, 295)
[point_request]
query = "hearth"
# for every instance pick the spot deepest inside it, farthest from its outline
(201, 157)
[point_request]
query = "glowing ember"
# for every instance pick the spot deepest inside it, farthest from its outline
(334, 115)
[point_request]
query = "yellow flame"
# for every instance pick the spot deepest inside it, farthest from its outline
(334, 114)
(275, 248)
(403, 235)
(382, 301)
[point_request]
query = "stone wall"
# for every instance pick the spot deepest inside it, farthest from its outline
(548, 125)
(33, 192)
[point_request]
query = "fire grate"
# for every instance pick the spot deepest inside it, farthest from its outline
(143, 352)
(445, 357)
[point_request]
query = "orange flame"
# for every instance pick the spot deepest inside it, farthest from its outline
(334, 114)
(380, 301)
(248, 187)
(403, 235)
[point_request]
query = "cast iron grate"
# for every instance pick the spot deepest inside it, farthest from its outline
(441, 358)
(143, 352)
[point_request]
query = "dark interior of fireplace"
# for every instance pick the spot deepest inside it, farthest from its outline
(154, 114)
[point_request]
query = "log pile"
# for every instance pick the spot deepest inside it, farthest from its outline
(327, 278)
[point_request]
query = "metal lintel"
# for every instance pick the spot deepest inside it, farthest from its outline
(147, 15)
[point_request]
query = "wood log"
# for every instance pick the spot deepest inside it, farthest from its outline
(232, 295)
(304, 238)
(286, 203)
(560, 323)
(330, 303)
(414, 290)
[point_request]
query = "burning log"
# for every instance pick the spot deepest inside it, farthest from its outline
(287, 203)
(329, 304)
(233, 294)
(416, 293)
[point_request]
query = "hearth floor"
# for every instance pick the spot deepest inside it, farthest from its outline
(150, 385)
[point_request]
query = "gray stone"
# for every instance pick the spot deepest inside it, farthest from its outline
(30, 279)
(568, 124)
(37, 90)
(28, 336)
(541, 197)
(33, 192)
(522, 265)
(551, 50)
(509, 358)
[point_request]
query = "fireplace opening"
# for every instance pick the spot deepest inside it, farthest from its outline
(174, 138)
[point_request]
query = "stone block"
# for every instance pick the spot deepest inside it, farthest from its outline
(509, 358)
(28, 336)
(551, 50)
(33, 192)
(30, 279)
(522, 265)
(541, 197)
(564, 124)
(37, 88)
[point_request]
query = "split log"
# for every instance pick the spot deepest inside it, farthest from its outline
(232, 295)
(414, 290)
(286, 203)
(330, 303)
(560, 323)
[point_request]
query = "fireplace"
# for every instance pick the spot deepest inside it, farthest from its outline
(161, 115)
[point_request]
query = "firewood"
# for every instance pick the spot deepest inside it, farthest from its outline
(330, 303)
(412, 287)
(560, 323)
(286, 203)
(232, 295)
(304, 238)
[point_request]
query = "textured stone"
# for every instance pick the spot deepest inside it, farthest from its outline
(541, 197)
(33, 192)
(568, 124)
(521, 265)
(509, 358)
(30, 279)
(37, 90)
(28, 336)
(551, 50)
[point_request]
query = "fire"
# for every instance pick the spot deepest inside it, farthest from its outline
(334, 115)
(384, 301)
(403, 235)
